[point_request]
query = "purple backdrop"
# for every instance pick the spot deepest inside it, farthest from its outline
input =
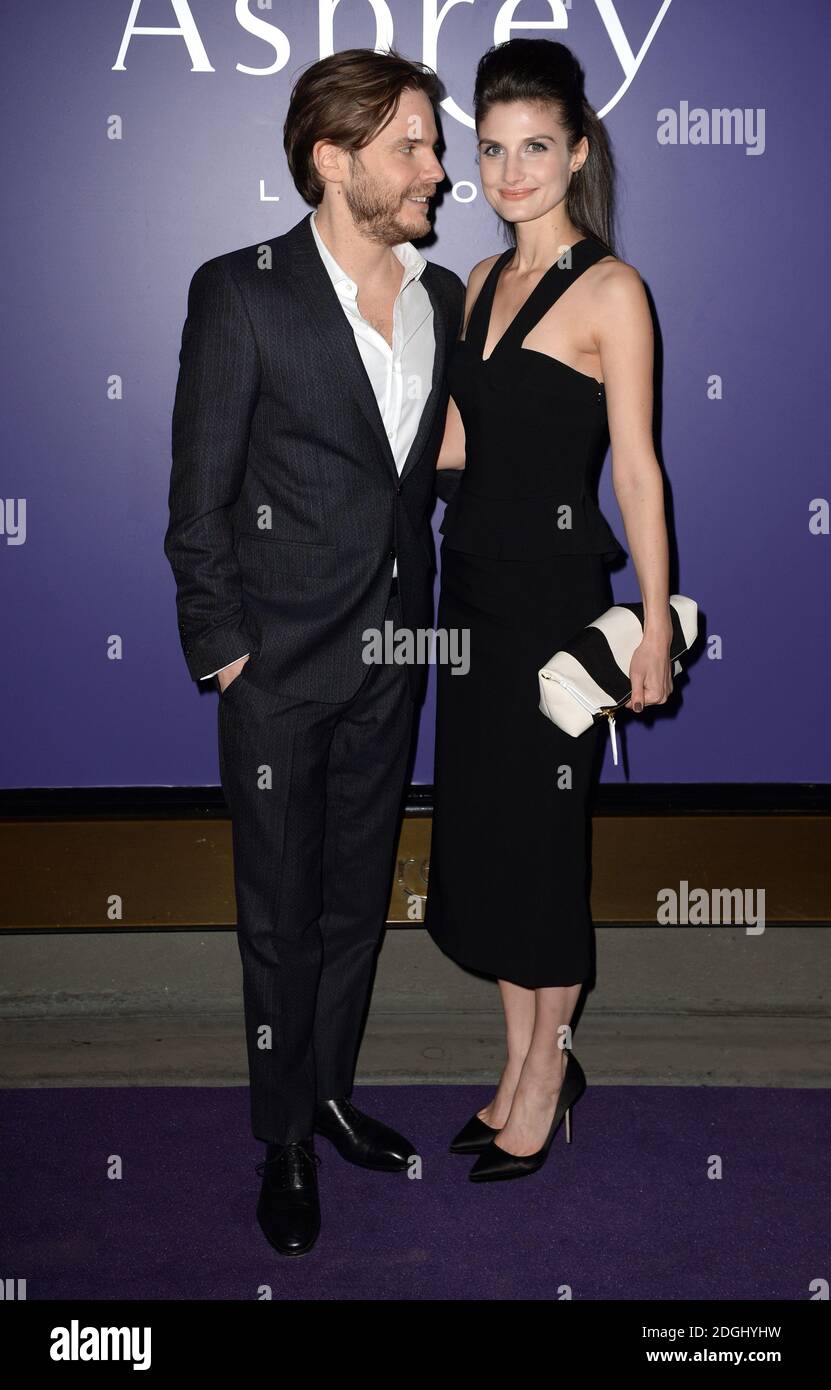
(104, 233)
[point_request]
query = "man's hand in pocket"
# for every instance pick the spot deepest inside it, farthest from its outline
(229, 673)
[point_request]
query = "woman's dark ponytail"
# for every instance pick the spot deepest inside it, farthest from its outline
(542, 71)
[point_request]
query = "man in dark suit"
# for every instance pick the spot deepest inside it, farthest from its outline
(309, 412)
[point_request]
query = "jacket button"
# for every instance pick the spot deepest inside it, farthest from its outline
(390, 554)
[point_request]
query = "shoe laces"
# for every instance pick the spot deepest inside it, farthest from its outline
(291, 1156)
(353, 1116)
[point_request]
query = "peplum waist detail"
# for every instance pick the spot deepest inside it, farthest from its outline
(522, 528)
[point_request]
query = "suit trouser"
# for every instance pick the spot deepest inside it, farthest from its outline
(314, 792)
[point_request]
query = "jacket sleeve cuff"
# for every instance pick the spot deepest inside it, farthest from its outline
(222, 646)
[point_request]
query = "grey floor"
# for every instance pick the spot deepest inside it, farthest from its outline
(677, 1005)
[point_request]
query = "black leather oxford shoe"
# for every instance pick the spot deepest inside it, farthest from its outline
(289, 1207)
(360, 1139)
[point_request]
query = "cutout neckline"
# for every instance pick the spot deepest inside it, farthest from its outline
(498, 266)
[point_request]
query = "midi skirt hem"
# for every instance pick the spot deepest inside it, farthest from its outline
(510, 975)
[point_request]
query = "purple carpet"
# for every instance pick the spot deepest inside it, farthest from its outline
(627, 1211)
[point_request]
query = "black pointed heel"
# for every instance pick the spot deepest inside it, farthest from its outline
(494, 1163)
(473, 1138)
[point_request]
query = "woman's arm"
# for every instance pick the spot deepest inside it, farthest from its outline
(452, 451)
(624, 337)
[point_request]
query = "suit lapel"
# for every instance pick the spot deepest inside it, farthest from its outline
(333, 331)
(427, 417)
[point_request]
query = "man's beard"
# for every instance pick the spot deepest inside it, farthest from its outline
(375, 210)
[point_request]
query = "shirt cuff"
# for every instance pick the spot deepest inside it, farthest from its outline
(223, 668)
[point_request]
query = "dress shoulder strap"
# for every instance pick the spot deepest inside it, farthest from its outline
(556, 280)
(477, 327)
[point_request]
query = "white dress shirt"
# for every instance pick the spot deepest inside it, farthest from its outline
(400, 375)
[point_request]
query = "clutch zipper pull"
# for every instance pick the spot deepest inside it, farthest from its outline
(609, 712)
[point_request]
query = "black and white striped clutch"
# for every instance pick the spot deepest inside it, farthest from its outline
(589, 678)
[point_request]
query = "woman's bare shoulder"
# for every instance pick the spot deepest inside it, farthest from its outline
(479, 274)
(476, 280)
(616, 277)
(615, 294)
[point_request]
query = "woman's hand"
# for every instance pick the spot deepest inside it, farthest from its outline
(650, 672)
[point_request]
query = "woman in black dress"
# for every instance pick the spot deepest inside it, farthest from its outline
(534, 389)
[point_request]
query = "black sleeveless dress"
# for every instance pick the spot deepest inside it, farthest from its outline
(523, 569)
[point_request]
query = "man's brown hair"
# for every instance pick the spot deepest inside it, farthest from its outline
(347, 99)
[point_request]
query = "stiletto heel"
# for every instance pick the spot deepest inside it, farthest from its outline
(494, 1162)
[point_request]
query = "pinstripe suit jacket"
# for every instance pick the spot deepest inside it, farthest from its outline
(286, 507)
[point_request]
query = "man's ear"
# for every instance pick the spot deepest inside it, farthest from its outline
(329, 160)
